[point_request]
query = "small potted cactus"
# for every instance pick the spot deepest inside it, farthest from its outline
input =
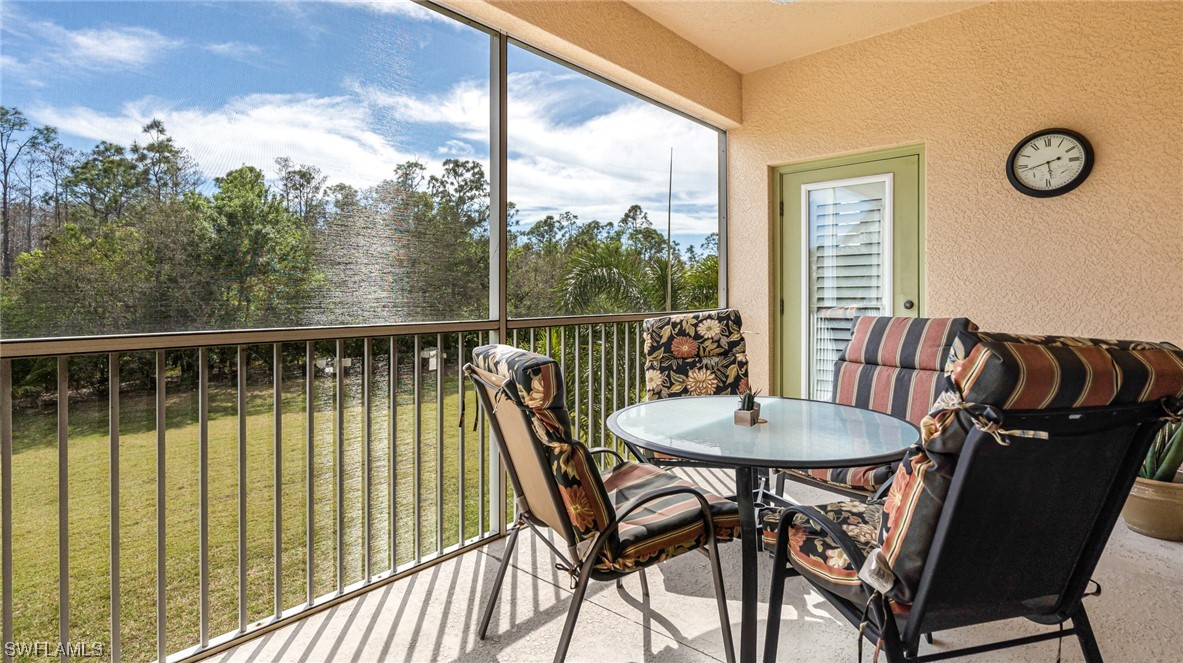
(1155, 505)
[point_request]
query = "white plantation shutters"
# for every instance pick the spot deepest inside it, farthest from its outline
(849, 266)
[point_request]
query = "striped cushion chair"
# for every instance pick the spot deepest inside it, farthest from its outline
(891, 365)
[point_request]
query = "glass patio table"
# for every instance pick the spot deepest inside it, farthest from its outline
(794, 434)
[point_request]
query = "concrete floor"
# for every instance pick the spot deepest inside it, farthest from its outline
(433, 615)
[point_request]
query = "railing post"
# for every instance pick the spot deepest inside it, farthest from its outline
(203, 495)
(277, 385)
(113, 387)
(6, 500)
(161, 549)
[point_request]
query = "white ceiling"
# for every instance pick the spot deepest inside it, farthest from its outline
(748, 35)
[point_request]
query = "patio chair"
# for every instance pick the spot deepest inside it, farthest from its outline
(891, 365)
(694, 354)
(1004, 508)
(615, 523)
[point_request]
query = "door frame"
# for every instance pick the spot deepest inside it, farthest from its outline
(776, 216)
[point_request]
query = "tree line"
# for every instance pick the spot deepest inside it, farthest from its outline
(133, 239)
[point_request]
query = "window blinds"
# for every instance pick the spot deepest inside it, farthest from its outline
(846, 226)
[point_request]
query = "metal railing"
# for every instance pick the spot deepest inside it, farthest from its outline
(251, 483)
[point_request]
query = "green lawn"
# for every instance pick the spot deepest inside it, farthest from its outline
(35, 504)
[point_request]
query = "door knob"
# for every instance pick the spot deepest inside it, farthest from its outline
(908, 304)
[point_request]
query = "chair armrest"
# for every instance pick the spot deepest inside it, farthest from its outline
(605, 450)
(833, 529)
(881, 492)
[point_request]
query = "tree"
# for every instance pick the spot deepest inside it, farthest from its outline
(105, 182)
(58, 160)
(303, 190)
(258, 252)
(166, 171)
(15, 138)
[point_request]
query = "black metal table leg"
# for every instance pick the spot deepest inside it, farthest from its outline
(749, 587)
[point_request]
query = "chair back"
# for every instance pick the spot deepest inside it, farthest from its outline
(554, 477)
(695, 354)
(1026, 460)
(896, 365)
(1024, 524)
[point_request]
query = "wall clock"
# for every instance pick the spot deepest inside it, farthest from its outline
(1049, 163)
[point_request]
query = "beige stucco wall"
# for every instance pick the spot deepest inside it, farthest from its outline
(1105, 260)
(614, 40)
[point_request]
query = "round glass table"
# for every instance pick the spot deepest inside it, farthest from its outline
(794, 434)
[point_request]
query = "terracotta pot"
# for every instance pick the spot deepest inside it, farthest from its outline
(1155, 508)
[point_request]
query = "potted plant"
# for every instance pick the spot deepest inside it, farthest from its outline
(1155, 505)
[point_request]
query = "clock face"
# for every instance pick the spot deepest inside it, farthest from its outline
(1049, 163)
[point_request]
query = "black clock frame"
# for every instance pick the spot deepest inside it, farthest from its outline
(1050, 193)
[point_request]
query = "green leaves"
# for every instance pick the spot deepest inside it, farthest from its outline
(1165, 455)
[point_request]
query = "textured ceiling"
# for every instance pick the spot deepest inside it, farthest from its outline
(748, 35)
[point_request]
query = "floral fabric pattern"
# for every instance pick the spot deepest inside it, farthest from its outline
(812, 551)
(698, 354)
(659, 530)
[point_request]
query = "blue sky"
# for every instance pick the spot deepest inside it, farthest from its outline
(354, 87)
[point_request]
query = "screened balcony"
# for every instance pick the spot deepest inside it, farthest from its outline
(247, 253)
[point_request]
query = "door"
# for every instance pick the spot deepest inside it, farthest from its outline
(849, 244)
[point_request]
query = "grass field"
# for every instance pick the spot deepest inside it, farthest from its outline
(35, 503)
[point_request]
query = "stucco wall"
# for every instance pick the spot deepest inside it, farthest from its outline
(1105, 260)
(614, 40)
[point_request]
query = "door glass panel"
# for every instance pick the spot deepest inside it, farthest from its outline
(849, 271)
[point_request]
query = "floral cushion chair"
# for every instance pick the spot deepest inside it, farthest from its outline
(697, 354)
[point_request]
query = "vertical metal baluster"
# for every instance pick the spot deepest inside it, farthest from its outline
(309, 473)
(203, 496)
(63, 417)
(241, 488)
(515, 338)
(6, 505)
(339, 464)
(587, 439)
(366, 469)
(417, 434)
(277, 380)
(532, 345)
(391, 517)
(578, 380)
(628, 364)
(439, 443)
(639, 355)
(480, 477)
(460, 429)
(603, 382)
(563, 351)
(113, 383)
(615, 374)
(161, 581)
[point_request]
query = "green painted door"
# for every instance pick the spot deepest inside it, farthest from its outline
(849, 244)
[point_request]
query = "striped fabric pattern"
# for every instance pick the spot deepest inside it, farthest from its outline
(895, 366)
(1009, 372)
(663, 528)
(812, 551)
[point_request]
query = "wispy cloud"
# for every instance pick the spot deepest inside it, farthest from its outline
(335, 133)
(51, 48)
(404, 8)
(235, 50)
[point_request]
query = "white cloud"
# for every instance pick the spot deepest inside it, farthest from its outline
(236, 50)
(404, 8)
(456, 148)
(595, 167)
(335, 133)
(61, 50)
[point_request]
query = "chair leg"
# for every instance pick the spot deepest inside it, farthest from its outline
(776, 595)
(780, 484)
(1084, 633)
(506, 555)
(928, 638)
(644, 584)
(720, 599)
(572, 616)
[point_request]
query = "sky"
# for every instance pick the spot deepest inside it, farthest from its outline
(354, 87)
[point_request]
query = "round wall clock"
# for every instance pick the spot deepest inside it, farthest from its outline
(1050, 163)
